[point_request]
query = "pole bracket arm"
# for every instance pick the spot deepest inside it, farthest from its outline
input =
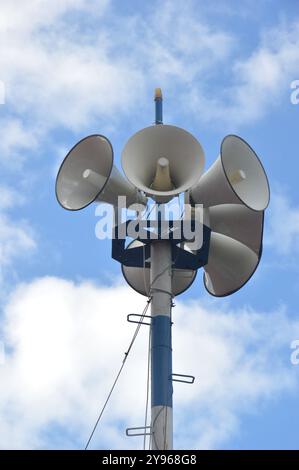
(130, 432)
(189, 379)
(140, 316)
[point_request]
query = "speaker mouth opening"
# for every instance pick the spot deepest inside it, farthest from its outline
(147, 146)
(254, 192)
(66, 160)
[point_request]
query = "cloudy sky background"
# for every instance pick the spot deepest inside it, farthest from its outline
(75, 67)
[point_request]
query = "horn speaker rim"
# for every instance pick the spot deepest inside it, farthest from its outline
(64, 161)
(259, 162)
(200, 156)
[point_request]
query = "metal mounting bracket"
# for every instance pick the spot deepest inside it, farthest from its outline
(131, 434)
(191, 377)
(139, 256)
(140, 316)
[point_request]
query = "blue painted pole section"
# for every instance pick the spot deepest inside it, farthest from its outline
(161, 349)
(161, 386)
(159, 106)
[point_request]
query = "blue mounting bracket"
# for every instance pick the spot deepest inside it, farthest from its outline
(139, 256)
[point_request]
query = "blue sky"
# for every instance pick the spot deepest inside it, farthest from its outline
(72, 68)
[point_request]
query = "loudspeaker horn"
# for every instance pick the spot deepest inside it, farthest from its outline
(230, 265)
(139, 278)
(236, 177)
(238, 222)
(163, 161)
(87, 174)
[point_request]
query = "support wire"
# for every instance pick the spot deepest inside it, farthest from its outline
(147, 386)
(119, 372)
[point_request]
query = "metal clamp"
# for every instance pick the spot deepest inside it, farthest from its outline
(140, 316)
(129, 434)
(191, 377)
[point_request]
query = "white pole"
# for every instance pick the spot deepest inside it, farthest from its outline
(161, 350)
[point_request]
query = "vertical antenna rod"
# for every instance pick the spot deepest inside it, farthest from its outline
(159, 106)
(161, 348)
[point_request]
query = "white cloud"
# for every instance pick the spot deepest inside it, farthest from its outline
(67, 341)
(56, 73)
(61, 72)
(14, 238)
(179, 48)
(282, 225)
(258, 82)
(32, 14)
(9, 198)
(232, 354)
(17, 238)
(16, 139)
(78, 62)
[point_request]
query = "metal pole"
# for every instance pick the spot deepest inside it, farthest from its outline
(161, 349)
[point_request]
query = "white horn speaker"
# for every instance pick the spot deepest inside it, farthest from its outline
(139, 278)
(87, 174)
(163, 161)
(236, 177)
(230, 265)
(238, 222)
